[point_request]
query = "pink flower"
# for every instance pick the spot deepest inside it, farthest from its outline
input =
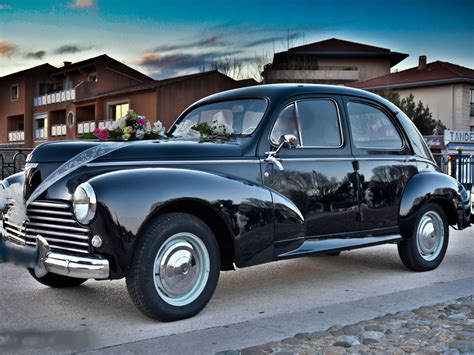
(142, 122)
(102, 134)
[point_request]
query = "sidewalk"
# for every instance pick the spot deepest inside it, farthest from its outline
(444, 328)
(230, 338)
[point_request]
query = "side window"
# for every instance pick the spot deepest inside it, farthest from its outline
(319, 123)
(371, 128)
(285, 124)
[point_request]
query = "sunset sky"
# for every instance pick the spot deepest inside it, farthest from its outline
(169, 38)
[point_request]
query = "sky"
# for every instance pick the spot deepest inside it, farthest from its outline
(170, 38)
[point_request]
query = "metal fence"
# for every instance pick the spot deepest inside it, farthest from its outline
(459, 166)
(12, 160)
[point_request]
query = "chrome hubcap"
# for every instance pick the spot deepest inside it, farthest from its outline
(181, 269)
(430, 235)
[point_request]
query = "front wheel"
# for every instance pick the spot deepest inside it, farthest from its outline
(175, 267)
(427, 246)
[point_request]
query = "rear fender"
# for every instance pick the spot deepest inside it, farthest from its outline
(433, 187)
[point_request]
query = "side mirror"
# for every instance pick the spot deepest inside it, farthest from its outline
(288, 141)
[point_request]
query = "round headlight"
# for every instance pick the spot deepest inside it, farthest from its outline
(84, 203)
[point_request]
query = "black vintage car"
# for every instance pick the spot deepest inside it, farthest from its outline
(307, 170)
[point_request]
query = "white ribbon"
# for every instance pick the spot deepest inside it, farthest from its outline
(73, 164)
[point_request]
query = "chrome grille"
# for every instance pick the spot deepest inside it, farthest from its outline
(55, 222)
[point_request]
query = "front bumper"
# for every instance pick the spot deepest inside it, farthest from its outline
(45, 260)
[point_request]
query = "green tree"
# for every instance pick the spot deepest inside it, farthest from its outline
(419, 113)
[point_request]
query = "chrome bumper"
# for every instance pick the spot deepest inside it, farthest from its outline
(93, 267)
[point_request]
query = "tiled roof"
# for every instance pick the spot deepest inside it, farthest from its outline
(154, 84)
(335, 47)
(434, 73)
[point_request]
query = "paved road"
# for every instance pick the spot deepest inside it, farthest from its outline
(100, 314)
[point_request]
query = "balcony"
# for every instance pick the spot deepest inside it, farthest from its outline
(55, 97)
(85, 127)
(58, 130)
(41, 133)
(16, 136)
(312, 75)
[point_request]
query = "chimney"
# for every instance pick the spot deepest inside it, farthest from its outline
(66, 64)
(422, 62)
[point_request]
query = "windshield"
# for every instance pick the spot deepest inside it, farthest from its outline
(240, 117)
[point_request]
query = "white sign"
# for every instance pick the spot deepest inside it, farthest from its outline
(459, 136)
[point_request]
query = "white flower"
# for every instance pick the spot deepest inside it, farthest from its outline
(148, 127)
(158, 128)
(114, 125)
(140, 133)
(184, 129)
(122, 122)
(219, 125)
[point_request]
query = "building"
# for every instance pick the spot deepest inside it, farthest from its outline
(49, 103)
(332, 61)
(447, 89)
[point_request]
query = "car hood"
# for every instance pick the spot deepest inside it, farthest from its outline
(56, 152)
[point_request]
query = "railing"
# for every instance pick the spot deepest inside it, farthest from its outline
(58, 130)
(350, 75)
(459, 166)
(41, 133)
(16, 136)
(85, 127)
(12, 160)
(55, 97)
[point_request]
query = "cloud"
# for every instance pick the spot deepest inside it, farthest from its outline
(82, 4)
(272, 39)
(5, 7)
(168, 65)
(213, 41)
(7, 49)
(70, 49)
(35, 55)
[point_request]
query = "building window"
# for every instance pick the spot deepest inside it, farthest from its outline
(472, 128)
(472, 102)
(40, 126)
(118, 110)
(45, 88)
(15, 92)
(67, 84)
(92, 77)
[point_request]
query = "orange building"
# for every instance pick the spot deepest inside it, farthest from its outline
(49, 103)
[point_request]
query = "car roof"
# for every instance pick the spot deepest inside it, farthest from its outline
(280, 91)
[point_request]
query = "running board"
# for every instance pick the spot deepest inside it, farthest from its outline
(324, 246)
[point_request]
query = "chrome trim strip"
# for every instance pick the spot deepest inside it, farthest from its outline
(58, 213)
(51, 219)
(57, 226)
(173, 162)
(81, 251)
(50, 204)
(58, 234)
(66, 241)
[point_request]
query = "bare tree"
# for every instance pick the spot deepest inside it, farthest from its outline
(256, 66)
(229, 66)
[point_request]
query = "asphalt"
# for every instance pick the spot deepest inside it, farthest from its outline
(250, 306)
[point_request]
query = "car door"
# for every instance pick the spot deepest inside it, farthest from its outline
(382, 153)
(318, 175)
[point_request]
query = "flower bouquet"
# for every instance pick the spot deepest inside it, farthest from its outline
(129, 127)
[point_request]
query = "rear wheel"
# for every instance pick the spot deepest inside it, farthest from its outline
(57, 281)
(427, 246)
(175, 267)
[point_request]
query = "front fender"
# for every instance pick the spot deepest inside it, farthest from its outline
(128, 199)
(433, 186)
